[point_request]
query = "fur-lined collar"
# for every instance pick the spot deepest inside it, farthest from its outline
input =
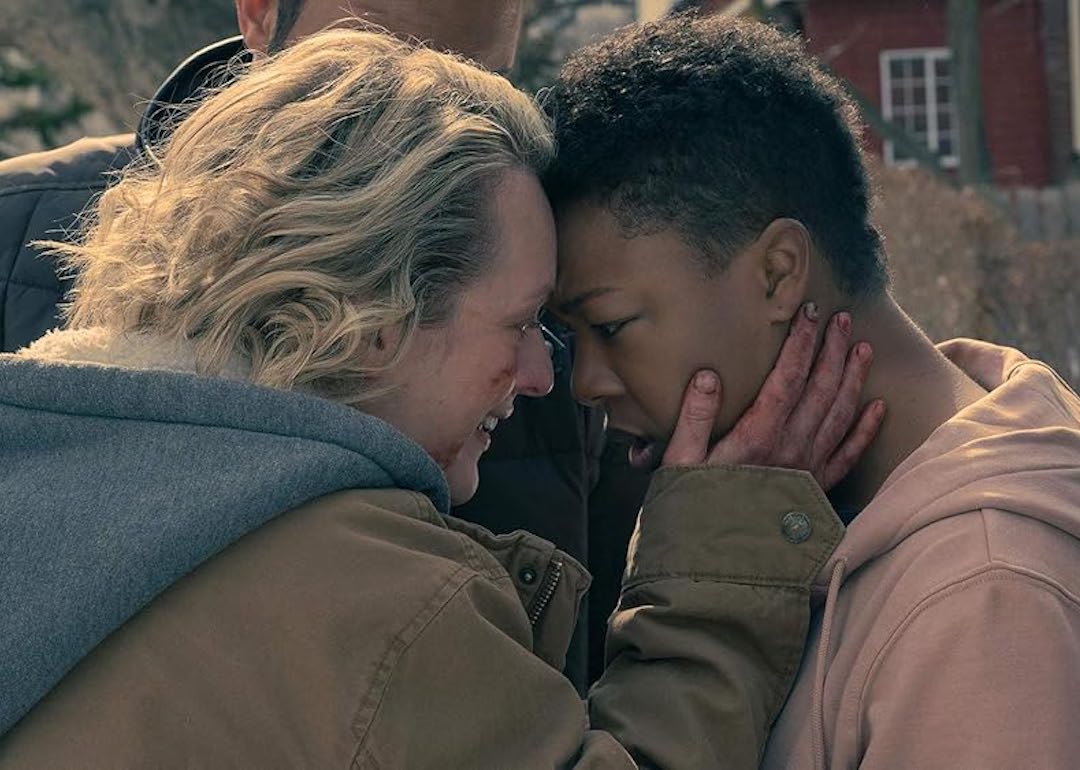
(106, 347)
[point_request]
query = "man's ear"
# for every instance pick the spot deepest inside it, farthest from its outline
(257, 19)
(784, 249)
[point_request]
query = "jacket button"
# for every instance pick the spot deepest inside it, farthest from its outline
(527, 575)
(796, 527)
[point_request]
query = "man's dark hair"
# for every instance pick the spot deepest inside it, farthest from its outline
(715, 127)
(683, 6)
(288, 11)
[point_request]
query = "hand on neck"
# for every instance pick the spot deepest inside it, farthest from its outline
(922, 390)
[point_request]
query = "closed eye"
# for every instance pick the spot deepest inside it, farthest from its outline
(607, 331)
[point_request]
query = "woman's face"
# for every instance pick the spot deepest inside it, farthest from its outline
(458, 379)
(646, 318)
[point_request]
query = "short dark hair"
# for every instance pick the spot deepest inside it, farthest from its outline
(288, 11)
(683, 6)
(715, 127)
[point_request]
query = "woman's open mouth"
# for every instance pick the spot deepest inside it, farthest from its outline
(490, 422)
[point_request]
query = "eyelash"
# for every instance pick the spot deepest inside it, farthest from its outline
(608, 330)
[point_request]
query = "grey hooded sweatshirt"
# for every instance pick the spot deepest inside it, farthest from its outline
(87, 450)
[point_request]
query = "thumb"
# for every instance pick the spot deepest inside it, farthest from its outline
(689, 443)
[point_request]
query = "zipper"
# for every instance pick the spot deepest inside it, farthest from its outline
(547, 590)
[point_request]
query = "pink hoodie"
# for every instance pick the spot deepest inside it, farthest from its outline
(946, 631)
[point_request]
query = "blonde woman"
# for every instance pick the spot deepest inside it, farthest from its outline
(222, 508)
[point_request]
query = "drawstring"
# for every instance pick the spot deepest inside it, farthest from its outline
(817, 713)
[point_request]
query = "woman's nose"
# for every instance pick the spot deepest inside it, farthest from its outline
(592, 381)
(535, 376)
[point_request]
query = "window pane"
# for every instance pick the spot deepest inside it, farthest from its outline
(920, 123)
(913, 102)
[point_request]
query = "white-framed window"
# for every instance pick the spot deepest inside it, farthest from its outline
(917, 93)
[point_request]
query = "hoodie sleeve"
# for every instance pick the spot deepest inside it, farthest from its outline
(702, 648)
(983, 674)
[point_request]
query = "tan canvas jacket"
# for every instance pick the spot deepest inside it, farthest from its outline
(365, 630)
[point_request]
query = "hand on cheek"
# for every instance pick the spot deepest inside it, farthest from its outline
(800, 419)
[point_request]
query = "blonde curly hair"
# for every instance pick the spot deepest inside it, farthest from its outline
(338, 188)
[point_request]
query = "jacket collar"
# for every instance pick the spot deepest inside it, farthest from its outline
(102, 346)
(204, 68)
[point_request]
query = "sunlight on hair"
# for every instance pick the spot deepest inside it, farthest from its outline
(338, 188)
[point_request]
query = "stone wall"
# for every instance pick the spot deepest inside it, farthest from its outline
(70, 68)
(960, 268)
(37, 111)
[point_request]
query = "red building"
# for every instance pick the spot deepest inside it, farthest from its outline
(896, 54)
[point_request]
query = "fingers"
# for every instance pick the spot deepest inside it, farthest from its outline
(844, 407)
(701, 403)
(845, 457)
(784, 386)
(754, 437)
(821, 391)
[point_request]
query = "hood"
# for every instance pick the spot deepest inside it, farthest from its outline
(205, 68)
(117, 480)
(1017, 449)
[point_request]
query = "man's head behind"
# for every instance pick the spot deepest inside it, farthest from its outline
(716, 128)
(483, 30)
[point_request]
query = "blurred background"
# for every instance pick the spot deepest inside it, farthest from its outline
(972, 110)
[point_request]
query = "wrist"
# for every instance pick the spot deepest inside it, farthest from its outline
(736, 523)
